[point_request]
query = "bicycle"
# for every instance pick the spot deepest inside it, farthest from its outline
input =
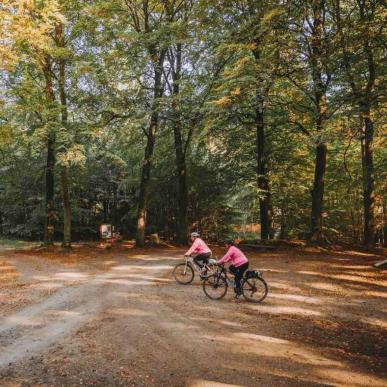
(184, 273)
(254, 287)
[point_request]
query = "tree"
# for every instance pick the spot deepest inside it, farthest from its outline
(360, 27)
(310, 67)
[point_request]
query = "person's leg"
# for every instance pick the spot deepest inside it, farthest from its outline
(239, 275)
(199, 259)
(206, 257)
(234, 271)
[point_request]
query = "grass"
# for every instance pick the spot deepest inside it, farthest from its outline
(16, 243)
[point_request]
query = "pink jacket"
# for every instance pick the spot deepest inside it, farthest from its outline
(234, 255)
(199, 247)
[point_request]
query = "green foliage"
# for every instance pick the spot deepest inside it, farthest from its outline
(236, 57)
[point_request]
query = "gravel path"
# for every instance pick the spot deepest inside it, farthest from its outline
(125, 322)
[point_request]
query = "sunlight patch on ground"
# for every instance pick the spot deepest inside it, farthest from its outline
(21, 320)
(229, 323)
(215, 322)
(130, 268)
(125, 294)
(209, 383)
(294, 297)
(273, 347)
(375, 322)
(376, 294)
(178, 325)
(308, 272)
(326, 286)
(122, 281)
(70, 275)
(353, 252)
(269, 270)
(47, 285)
(362, 267)
(265, 339)
(7, 272)
(128, 312)
(276, 309)
(6, 268)
(343, 378)
(61, 313)
(359, 279)
(284, 286)
(62, 276)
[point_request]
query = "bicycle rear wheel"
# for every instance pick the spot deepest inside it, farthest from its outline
(215, 287)
(254, 289)
(183, 273)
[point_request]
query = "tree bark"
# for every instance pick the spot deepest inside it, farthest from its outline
(181, 168)
(368, 180)
(262, 178)
(318, 194)
(367, 159)
(316, 227)
(147, 163)
(49, 193)
(145, 180)
(65, 180)
(265, 207)
(66, 208)
(362, 96)
(50, 161)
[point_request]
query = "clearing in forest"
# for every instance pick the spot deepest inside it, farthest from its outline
(117, 317)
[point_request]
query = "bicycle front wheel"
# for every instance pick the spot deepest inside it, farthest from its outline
(254, 289)
(183, 273)
(211, 269)
(215, 287)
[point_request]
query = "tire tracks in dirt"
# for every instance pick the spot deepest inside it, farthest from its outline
(39, 326)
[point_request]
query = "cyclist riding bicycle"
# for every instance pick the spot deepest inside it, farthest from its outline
(239, 264)
(200, 248)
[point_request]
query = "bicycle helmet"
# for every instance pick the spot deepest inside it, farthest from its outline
(229, 242)
(195, 234)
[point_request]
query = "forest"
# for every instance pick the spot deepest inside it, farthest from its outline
(241, 118)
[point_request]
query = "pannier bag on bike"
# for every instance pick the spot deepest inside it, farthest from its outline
(253, 274)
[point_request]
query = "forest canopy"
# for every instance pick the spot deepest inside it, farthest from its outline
(258, 119)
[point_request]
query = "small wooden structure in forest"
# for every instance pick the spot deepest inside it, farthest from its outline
(107, 234)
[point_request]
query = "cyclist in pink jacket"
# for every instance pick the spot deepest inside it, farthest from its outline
(202, 251)
(239, 264)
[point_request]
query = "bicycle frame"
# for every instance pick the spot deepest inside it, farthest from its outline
(224, 271)
(190, 261)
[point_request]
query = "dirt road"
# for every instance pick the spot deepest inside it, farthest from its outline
(119, 319)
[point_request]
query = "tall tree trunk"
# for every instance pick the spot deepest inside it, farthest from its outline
(316, 227)
(50, 161)
(265, 207)
(262, 178)
(384, 227)
(65, 179)
(368, 180)
(147, 163)
(362, 95)
(318, 194)
(181, 168)
(144, 182)
(66, 208)
(49, 194)
(365, 109)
